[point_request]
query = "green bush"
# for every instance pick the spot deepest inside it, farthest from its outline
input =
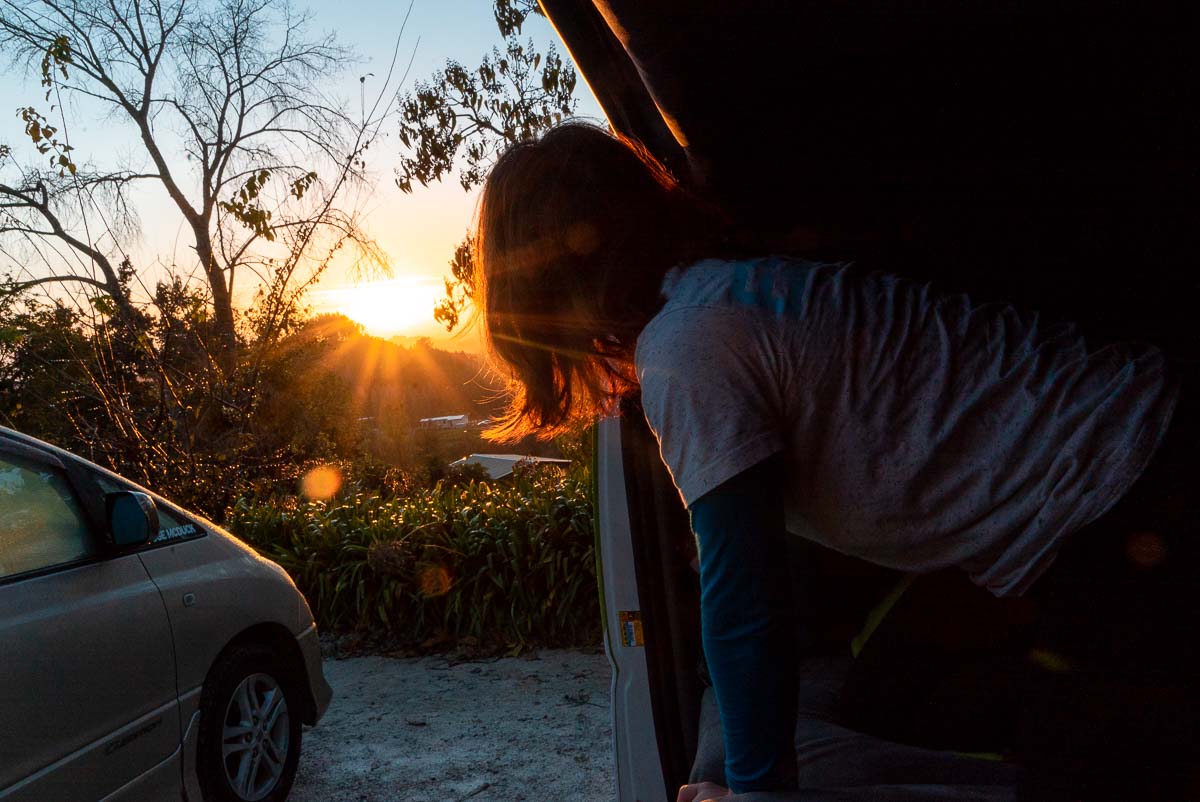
(507, 563)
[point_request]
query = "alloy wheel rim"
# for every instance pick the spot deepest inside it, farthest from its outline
(255, 737)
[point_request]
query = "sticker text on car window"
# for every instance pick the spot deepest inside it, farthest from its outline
(176, 533)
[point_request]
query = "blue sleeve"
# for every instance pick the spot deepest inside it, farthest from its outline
(748, 625)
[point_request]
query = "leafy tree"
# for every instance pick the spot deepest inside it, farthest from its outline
(510, 15)
(460, 286)
(472, 115)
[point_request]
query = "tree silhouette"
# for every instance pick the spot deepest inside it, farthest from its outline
(472, 115)
(224, 98)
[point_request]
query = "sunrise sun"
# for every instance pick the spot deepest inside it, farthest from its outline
(402, 305)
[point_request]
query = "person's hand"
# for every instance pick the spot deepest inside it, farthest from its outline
(701, 792)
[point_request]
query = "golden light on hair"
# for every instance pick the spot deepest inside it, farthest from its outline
(321, 483)
(433, 580)
(531, 257)
(574, 231)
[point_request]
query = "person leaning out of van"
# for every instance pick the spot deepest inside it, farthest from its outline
(912, 428)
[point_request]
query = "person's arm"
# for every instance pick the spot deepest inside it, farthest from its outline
(748, 625)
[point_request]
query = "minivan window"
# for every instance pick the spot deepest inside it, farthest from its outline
(41, 522)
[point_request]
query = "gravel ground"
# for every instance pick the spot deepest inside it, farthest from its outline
(427, 730)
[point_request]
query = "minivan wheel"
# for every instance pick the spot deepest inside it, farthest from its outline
(249, 739)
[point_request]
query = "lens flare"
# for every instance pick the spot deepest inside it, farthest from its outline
(321, 483)
(433, 580)
(1146, 549)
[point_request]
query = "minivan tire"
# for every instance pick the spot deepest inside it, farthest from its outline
(241, 693)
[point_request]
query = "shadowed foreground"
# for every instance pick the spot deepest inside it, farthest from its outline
(424, 730)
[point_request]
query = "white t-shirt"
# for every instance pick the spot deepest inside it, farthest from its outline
(919, 430)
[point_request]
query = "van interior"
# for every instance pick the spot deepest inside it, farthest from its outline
(1043, 154)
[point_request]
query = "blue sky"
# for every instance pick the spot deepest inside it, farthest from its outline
(420, 230)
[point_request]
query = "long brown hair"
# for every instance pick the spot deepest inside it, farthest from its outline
(575, 233)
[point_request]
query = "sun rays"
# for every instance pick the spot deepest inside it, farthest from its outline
(399, 306)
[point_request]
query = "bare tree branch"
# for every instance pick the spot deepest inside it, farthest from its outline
(37, 199)
(21, 286)
(240, 80)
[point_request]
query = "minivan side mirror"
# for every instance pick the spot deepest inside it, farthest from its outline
(132, 518)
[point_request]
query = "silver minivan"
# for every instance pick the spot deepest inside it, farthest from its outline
(144, 652)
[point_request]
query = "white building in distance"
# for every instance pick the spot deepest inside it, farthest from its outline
(446, 422)
(499, 466)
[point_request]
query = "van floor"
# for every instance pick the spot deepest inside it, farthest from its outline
(837, 763)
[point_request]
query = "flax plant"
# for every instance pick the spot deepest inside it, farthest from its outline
(508, 564)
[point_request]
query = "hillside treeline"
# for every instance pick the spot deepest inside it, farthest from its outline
(146, 398)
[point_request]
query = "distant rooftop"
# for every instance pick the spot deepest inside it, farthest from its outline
(446, 421)
(499, 466)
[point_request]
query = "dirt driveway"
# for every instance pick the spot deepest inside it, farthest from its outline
(426, 730)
